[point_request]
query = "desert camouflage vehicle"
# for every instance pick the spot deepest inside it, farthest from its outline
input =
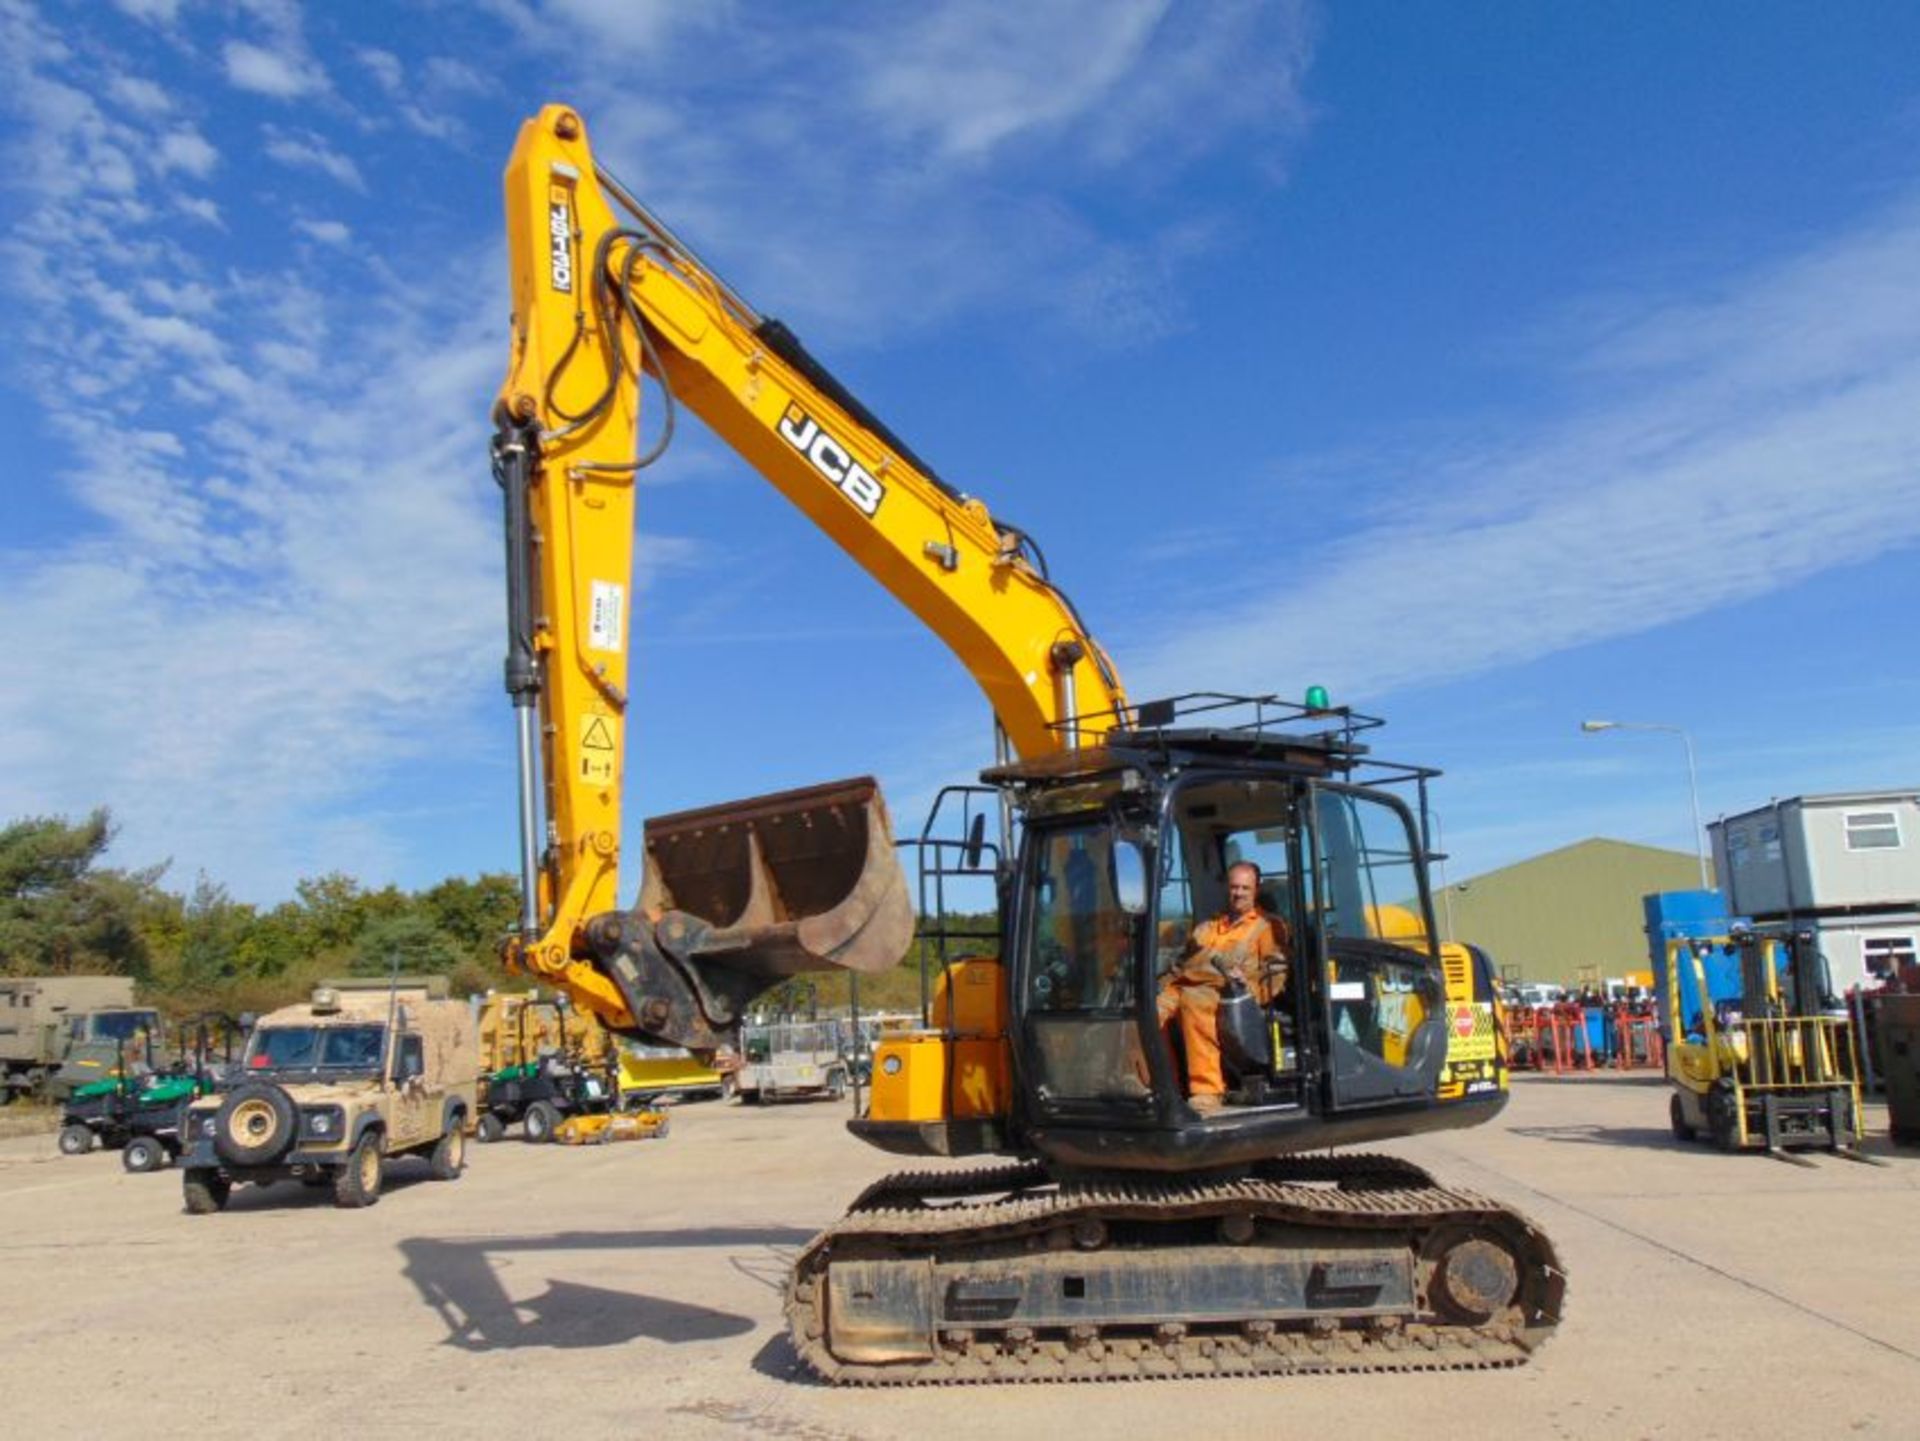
(329, 1090)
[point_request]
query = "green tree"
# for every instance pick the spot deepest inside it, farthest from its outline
(61, 913)
(475, 914)
(333, 910)
(411, 939)
(212, 949)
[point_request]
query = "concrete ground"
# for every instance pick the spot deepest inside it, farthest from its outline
(634, 1290)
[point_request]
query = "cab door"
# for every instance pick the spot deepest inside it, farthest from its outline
(1383, 990)
(1076, 983)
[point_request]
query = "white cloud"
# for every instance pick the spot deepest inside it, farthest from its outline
(201, 209)
(327, 232)
(385, 67)
(1717, 451)
(140, 95)
(303, 150)
(187, 151)
(156, 12)
(618, 30)
(1112, 77)
(973, 76)
(427, 106)
(178, 297)
(280, 74)
(445, 74)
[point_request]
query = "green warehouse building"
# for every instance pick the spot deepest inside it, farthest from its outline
(1569, 916)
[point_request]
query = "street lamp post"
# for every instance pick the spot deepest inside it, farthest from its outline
(1693, 778)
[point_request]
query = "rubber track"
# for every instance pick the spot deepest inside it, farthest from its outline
(926, 1211)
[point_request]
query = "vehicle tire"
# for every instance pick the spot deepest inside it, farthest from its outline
(1723, 1124)
(1677, 1117)
(450, 1153)
(540, 1121)
(358, 1182)
(837, 1086)
(205, 1191)
(76, 1140)
(254, 1125)
(490, 1129)
(143, 1153)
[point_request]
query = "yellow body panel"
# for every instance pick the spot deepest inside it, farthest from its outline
(982, 1079)
(1476, 1054)
(970, 998)
(909, 1078)
(664, 1068)
(611, 1126)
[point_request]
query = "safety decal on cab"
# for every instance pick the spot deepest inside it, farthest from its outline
(833, 460)
(1472, 1034)
(597, 749)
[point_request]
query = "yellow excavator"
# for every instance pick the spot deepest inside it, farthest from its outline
(1120, 1230)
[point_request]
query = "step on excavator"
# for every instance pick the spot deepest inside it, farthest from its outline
(1081, 1215)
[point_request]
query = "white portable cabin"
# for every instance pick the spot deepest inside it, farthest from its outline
(1845, 865)
(1859, 849)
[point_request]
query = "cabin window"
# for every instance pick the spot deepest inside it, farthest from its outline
(1873, 831)
(1887, 955)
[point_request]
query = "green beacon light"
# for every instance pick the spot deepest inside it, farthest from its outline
(1317, 698)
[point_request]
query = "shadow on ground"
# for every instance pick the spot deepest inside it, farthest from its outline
(1642, 1136)
(780, 1361)
(402, 1173)
(1880, 1147)
(459, 1280)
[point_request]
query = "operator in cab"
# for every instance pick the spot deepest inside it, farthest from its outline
(1243, 944)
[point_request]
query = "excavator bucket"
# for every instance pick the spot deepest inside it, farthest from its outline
(782, 884)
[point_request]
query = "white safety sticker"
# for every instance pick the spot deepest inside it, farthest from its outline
(1348, 990)
(608, 615)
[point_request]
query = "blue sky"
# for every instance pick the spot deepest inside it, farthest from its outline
(1495, 366)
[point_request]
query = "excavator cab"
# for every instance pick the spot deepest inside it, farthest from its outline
(1125, 848)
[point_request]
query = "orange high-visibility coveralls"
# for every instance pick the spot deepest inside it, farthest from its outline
(1252, 949)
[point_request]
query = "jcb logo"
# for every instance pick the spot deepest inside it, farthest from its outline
(560, 245)
(832, 460)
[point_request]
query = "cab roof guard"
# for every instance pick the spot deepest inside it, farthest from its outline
(1255, 726)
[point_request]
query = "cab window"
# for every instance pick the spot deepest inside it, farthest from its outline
(1384, 990)
(413, 1058)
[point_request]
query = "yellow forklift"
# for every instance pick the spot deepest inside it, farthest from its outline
(1774, 1068)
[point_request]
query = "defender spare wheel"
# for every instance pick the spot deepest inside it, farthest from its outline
(255, 1124)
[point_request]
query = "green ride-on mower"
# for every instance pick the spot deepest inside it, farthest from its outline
(137, 1110)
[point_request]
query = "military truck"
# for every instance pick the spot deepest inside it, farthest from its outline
(331, 1089)
(59, 1032)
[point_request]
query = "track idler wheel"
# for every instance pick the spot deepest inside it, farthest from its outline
(1473, 1276)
